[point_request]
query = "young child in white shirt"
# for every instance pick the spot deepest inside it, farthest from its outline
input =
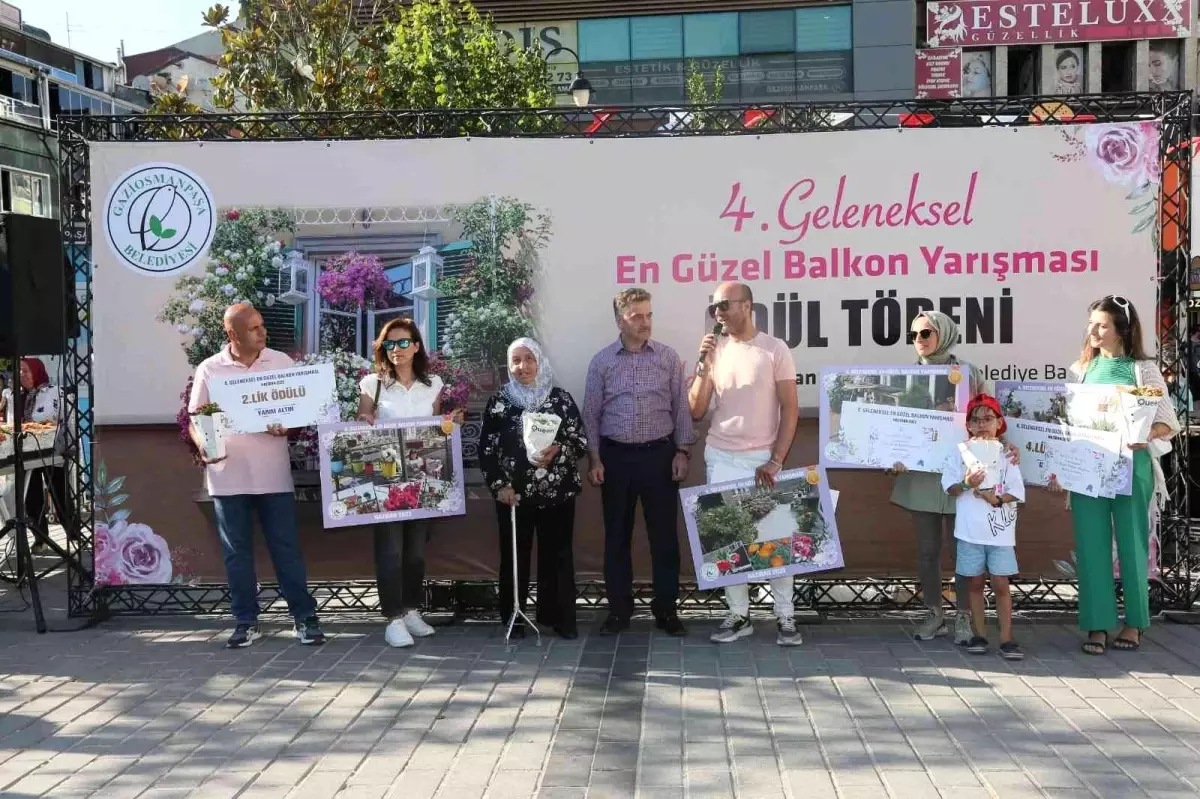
(985, 524)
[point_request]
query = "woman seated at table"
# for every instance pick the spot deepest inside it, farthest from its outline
(543, 492)
(41, 401)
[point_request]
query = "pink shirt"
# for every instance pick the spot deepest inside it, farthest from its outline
(256, 463)
(744, 376)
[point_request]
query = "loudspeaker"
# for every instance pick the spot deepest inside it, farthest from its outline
(34, 304)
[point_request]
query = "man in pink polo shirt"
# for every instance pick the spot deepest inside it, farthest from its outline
(753, 378)
(254, 477)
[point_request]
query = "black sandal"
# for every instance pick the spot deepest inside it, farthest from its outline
(1095, 648)
(1127, 644)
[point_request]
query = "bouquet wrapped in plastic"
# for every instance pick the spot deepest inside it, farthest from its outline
(540, 431)
(1139, 406)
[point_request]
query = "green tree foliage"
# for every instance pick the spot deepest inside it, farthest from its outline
(316, 55)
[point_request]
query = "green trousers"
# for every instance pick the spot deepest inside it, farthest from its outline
(1096, 521)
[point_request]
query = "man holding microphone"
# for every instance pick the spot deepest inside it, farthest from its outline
(753, 379)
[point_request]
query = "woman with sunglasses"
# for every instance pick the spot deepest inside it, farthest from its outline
(1113, 353)
(401, 388)
(933, 336)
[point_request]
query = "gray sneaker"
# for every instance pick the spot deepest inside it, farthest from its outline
(932, 627)
(788, 634)
(733, 628)
(962, 628)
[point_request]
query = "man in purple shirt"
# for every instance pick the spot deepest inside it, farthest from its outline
(639, 430)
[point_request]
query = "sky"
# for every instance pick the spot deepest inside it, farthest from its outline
(98, 26)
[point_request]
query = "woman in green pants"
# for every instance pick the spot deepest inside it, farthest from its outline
(1114, 354)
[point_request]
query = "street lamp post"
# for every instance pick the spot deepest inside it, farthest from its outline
(581, 90)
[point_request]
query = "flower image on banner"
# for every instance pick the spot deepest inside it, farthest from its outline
(126, 552)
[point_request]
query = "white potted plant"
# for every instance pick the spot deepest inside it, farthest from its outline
(212, 424)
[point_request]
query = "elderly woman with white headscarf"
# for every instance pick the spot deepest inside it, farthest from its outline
(542, 485)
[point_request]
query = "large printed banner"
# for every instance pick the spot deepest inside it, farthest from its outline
(843, 237)
(982, 23)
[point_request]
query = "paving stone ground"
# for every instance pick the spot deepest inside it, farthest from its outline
(157, 708)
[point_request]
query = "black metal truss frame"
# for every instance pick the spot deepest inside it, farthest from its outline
(1176, 589)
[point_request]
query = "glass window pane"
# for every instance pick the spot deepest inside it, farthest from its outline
(656, 81)
(656, 37)
(41, 199)
(611, 81)
(710, 35)
(768, 31)
(820, 29)
(604, 39)
(22, 193)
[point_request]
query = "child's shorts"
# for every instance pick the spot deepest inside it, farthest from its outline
(974, 559)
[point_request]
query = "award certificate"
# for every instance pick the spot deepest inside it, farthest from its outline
(299, 396)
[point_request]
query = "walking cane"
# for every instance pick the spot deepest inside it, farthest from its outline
(516, 608)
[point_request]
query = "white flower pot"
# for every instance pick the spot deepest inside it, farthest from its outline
(213, 430)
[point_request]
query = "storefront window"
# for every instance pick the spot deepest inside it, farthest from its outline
(768, 31)
(819, 29)
(656, 37)
(710, 35)
(604, 39)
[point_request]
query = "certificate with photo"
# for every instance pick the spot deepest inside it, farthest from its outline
(878, 437)
(1091, 407)
(299, 396)
(937, 389)
(1079, 459)
(391, 471)
(740, 532)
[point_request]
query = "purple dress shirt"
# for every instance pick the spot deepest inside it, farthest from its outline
(636, 397)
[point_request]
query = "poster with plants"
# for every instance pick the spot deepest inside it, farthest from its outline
(390, 471)
(917, 388)
(741, 533)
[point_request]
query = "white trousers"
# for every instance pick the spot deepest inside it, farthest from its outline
(721, 465)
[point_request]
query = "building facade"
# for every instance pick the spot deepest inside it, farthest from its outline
(640, 51)
(39, 80)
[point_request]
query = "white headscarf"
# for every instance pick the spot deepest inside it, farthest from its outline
(529, 397)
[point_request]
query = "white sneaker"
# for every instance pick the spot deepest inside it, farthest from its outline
(733, 628)
(934, 626)
(962, 628)
(788, 634)
(416, 625)
(397, 634)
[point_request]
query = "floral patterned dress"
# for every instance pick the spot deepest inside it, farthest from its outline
(504, 461)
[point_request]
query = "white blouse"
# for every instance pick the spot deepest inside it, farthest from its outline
(398, 402)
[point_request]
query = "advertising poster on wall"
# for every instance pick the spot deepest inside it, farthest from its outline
(841, 250)
(977, 73)
(938, 73)
(1070, 70)
(740, 532)
(1164, 65)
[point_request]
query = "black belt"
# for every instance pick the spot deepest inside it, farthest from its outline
(658, 442)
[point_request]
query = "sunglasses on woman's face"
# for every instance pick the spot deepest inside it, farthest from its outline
(924, 335)
(402, 343)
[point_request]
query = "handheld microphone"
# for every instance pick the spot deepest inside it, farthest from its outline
(701, 366)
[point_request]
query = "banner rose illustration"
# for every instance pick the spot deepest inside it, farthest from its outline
(1127, 154)
(131, 554)
(125, 553)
